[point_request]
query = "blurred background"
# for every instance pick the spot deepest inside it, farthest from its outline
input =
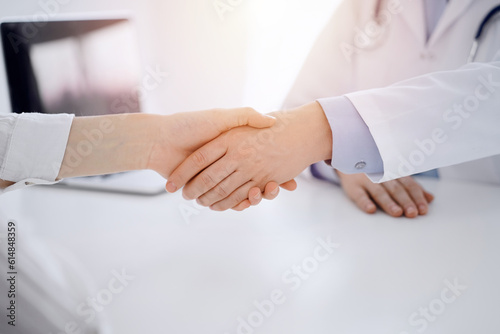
(217, 53)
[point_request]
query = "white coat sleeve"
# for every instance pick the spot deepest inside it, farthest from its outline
(434, 120)
(32, 148)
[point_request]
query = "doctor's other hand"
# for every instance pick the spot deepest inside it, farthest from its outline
(399, 197)
(221, 173)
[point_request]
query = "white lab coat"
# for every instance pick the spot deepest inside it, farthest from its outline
(417, 123)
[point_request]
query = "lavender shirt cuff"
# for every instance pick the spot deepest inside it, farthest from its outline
(354, 149)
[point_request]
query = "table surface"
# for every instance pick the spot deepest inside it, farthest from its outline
(270, 270)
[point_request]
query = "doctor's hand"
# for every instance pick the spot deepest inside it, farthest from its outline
(399, 197)
(221, 173)
(271, 191)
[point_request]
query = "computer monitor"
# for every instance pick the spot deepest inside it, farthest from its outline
(83, 67)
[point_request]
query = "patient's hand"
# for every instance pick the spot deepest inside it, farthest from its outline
(147, 141)
(181, 134)
(396, 197)
(224, 171)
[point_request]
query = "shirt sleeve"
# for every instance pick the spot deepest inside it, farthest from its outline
(354, 149)
(32, 147)
(325, 172)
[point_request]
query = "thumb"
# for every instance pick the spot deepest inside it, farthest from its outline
(231, 118)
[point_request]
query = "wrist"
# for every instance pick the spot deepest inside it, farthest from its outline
(312, 128)
(109, 144)
(161, 144)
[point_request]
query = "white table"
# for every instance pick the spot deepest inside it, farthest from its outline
(197, 271)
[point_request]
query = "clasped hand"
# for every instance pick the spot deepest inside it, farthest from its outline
(232, 170)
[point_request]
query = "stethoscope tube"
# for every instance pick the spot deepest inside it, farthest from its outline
(479, 33)
(475, 44)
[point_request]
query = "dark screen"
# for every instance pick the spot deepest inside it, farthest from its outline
(87, 67)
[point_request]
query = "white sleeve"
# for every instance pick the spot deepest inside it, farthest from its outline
(434, 120)
(32, 147)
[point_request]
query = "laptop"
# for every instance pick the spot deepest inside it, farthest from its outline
(84, 67)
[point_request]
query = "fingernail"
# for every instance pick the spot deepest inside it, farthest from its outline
(370, 207)
(269, 116)
(171, 187)
(422, 208)
(257, 195)
(199, 201)
(411, 211)
(275, 191)
(395, 209)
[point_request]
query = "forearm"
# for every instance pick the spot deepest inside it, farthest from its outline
(109, 144)
(311, 131)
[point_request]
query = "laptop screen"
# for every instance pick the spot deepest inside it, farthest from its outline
(85, 67)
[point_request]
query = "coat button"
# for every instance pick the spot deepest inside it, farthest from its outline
(360, 165)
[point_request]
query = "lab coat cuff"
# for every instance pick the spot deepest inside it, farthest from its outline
(36, 148)
(354, 149)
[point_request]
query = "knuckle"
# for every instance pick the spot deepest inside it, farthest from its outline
(243, 115)
(389, 185)
(395, 189)
(399, 193)
(415, 189)
(199, 158)
(379, 192)
(236, 199)
(207, 180)
(249, 110)
(221, 191)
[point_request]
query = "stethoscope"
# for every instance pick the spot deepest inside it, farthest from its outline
(475, 45)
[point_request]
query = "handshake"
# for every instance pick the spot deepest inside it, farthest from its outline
(223, 158)
(228, 158)
(243, 155)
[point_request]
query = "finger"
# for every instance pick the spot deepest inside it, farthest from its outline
(271, 191)
(289, 185)
(381, 196)
(236, 197)
(429, 197)
(360, 197)
(400, 195)
(255, 196)
(212, 177)
(243, 205)
(195, 163)
(231, 118)
(219, 191)
(416, 192)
